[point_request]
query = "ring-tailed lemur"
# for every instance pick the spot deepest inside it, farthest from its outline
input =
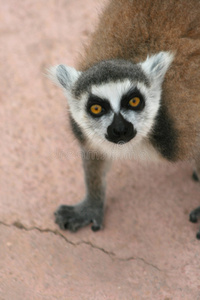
(137, 92)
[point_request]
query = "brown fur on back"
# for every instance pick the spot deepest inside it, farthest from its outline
(133, 29)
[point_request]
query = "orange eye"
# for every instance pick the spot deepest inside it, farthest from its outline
(96, 109)
(134, 102)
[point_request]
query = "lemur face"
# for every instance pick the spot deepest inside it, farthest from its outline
(117, 112)
(115, 102)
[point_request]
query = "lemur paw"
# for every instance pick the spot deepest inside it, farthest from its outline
(75, 217)
(194, 217)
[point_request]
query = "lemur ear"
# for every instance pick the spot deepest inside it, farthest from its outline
(64, 76)
(157, 65)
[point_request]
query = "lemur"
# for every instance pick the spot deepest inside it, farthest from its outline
(136, 91)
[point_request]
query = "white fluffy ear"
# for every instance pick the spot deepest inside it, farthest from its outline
(157, 65)
(63, 76)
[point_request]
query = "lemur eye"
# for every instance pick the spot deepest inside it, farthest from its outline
(96, 109)
(134, 102)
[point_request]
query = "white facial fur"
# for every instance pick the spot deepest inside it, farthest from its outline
(95, 129)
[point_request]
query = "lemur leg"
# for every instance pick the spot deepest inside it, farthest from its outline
(195, 214)
(91, 209)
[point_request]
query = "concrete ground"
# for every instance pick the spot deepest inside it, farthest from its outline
(147, 249)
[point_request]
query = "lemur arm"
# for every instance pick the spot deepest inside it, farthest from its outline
(91, 209)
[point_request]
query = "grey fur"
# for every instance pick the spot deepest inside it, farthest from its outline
(63, 76)
(107, 71)
(77, 130)
(164, 136)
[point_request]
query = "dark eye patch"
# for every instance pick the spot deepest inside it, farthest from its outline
(132, 93)
(92, 100)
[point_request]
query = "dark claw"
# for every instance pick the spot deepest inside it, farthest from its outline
(193, 218)
(66, 225)
(95, 228)
(198, 235)
(195, 176)
(195, 215)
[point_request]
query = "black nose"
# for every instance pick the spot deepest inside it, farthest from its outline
(120, 130)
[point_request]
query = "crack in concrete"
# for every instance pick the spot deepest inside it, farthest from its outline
(112, 255)
(145, 262)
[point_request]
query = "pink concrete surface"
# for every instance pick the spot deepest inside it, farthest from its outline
(147, 249)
